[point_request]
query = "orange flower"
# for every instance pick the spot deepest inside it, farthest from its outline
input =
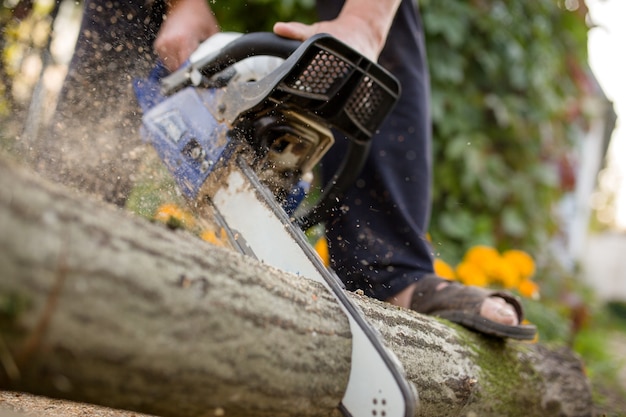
(443, 270)
(321, 247)
(528, 288)
(503, 273)
(470, 274)
(481, 255)
(172, 214)
(211, 236)
(521, 261)
(536, 338)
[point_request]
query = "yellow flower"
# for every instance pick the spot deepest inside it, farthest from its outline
(443, 270)
(483, 257)
(536, 338)
(503, 273)
(470, 274)
(521, 261)
(528, 288)
(211, 236)
(480, 254)
(174, 216)
(321, 247)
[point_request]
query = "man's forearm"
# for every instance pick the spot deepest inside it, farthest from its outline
(377, 16)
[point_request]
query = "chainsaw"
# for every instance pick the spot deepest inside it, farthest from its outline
(241, 127)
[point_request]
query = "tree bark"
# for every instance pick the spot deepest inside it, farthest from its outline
(100, 306)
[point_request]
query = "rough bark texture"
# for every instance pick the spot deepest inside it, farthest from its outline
(20, 404)
(5, 412)
(101, 307)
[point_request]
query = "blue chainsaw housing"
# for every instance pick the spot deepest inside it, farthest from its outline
(187, 137)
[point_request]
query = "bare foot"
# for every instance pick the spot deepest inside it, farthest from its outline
(498, 310)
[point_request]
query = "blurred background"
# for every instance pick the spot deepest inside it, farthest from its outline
(528, 103)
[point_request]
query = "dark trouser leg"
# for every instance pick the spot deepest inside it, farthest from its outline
(378, 244)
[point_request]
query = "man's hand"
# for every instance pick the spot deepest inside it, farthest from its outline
(360, 41)
(362, 24)
(187, 23)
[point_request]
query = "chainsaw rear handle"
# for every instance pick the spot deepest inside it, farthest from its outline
(321, 77)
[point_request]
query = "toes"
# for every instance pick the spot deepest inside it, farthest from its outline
(498, 310)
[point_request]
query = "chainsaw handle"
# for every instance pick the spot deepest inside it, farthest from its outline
(245, 46)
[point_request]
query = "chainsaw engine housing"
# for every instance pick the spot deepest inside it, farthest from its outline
(192, 142)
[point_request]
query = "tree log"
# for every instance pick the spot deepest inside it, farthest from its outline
(103, 307)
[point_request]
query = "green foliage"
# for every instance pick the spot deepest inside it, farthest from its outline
(155, 186)
(551, 319)
(601, 345)
(503, 86)
(260, 15)
(12, 305)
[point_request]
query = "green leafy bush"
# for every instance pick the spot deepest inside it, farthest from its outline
(260, 15)
(505, 85)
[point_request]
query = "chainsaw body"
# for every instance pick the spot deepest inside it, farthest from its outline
(241, 128)
(193, 143)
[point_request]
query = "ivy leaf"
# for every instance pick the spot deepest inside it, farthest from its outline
(456, 224)
(513, 223)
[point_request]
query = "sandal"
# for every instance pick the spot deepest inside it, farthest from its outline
(461, 304)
